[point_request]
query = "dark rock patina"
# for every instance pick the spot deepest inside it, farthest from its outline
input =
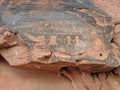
(55, 35)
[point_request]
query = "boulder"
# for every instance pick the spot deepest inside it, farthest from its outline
(51, 36)
(72, 43)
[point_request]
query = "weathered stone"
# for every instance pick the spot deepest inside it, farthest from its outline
(12, 78)
(67, 37)
(55, 35)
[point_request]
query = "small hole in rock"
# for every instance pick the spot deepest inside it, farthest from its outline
(15, 33)
(112, 40)
(100, 54)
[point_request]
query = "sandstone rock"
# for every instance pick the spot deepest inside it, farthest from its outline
(78, 40)
(12, 78)
(61, 34)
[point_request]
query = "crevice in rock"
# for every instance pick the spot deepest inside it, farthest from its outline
(93, 75)
(112, 72)
(64, 76)
(72, 76)
(67, 75)
(3, 59)
(112, 40)
(116, 34)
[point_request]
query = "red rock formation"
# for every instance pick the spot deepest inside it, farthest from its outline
(72, 42)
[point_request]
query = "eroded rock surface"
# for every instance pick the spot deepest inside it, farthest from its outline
(12, 78)
(55, 35)
(77, 39)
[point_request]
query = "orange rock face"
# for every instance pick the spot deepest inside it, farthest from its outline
(77, 40)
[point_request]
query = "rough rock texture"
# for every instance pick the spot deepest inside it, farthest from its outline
(56, 35)
(77, 40)
(12, 78)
